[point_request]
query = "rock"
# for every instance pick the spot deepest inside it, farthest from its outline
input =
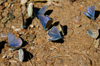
(1, 7)
(23, 2)
(6, 4)
(0, 17)
(4, 20)
(5, 13)
(1, 2)
(76, 21)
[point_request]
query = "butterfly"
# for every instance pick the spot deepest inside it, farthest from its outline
(21, 54)
(30, 10)
(93, 34)
(45, 21)
(54, 34)
(41, 11)
(62, 29)
(14, 43)
(90, 12)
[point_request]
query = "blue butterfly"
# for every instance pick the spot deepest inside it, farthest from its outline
(90, 12)
(94, 35)
(13, 41)
(54, 33)
(41, 11)
(45, 21)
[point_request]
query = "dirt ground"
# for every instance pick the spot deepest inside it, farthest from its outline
(73, 50)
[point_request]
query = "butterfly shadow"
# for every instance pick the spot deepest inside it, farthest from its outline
(48, 12)
(98, 35)
(97, 14)
(28, 22)
(27, 55)
(59, 41)
(35, 9)
(2, 45)
(24, 43)
(64, 30)
(55, 24)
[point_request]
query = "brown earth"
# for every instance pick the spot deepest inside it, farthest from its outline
(73, 51)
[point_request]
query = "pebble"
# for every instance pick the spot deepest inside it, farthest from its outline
(31, 26)
(32, 36)
(1, 2)
(32, 47)
(0, 17)
(3, 35)
(23, 2)
(1, 7)
(5, 13)
(6, 4)
(4, 20)
(13, 61)
(4, 56)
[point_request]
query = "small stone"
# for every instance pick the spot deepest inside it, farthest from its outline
(6, 4)
(4, 20)
(3, 35)
(0, 17)
(1, 2)
(13, 27)
(1, 7)
(23, 2)
(13, 61)
(76, 21)
(97, 43)
(32, 47)
(32, 36)
(31, 26)
(4, 56)
(5, 13)
(37, 26)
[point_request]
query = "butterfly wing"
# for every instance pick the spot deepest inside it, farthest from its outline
(17, 43)
(30, 10)
(11, 39)
(90, 33)
(87, 14)
(54, 33)
(42, 10)
(43, 20)
(21, 54)
(91, 11)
